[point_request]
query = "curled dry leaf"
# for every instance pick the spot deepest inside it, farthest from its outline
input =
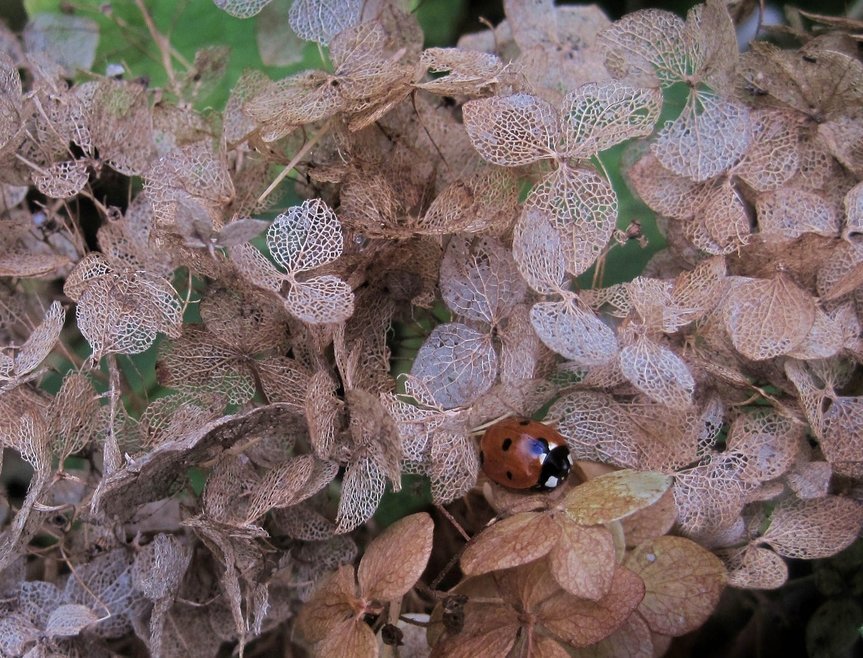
(682, 583)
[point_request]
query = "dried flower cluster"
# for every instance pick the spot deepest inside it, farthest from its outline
(710, 402)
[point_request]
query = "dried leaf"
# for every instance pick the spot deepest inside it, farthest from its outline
(583, 560)
(811, 529)
(682, 583)
(614, 496)
(395, 560)
(658, 373)
(511, 542)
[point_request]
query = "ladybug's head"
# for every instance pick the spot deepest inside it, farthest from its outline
(555, 468)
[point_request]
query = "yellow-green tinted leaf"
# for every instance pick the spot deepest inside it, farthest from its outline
(615, 496)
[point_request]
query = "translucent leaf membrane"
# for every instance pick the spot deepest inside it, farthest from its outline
(824, 339)
(40, 343)
(582, 206)
(362, 490)
(842, 438)
(787, 213)
(322, 410)
(810, 479)
(710, 496)
(538, 253)
(773, 156)
(724, 220)
(752, 567)
(853, 224)
(320, 300)
(770, 442)
(69, 40)
(74, 416)
(842, 273)
(709, 136)
(396, 559)
(454, 464)
(766, 318)
(62, 180)
(285, 486)
(280, 107)
(321, 20)
(522, 354)
(682, 581)
(658, 373)
(596, 117)
(242, 8)
(511, 130)
(305, 237)
(487, 199)
(666, 193)
(811, 529)
(457, 364)
(647, 48)
(479, 280)
(574, 332)
(467, 72)
(596, 428)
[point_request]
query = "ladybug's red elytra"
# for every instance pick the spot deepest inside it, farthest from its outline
(522, 454)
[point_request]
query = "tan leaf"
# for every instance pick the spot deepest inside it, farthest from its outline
(632, 640)
(350, 638)
(69, 620)
(614, 496)
(810, 529)
(768, 317)
(658, 373)
(580, 622)
(650, 522)
(683, 582)
(583, 560)
(394, 561)
(516, 540)
(753, 567)
(329, 606)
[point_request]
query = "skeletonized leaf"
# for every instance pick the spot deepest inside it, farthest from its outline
(62, 180)
(395, 560)
(241, 8)
(321, 20)
(538, 253)
(768, 317)
(682, 582)
(479, 280)
(511, 130)
(321, 300)
(596, 117)
(574, 332)
(511, 542)
(614, 496)
(305, 237)
(811, 529)
(704, 141)
(841, 438)
(582, 206)
(40, 343)
(362, 490)
(753, 567)
(457, 364)
(658, 372)
(69, 620)
(281, 487)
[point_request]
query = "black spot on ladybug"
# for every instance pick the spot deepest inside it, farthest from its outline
(481, 457)
(524, 422)
(506, 444)
(509, 475)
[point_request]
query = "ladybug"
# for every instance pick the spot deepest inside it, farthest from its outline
(521, 454)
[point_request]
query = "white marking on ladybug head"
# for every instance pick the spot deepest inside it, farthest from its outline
(551, 482)
(542, 457)
(569, 459)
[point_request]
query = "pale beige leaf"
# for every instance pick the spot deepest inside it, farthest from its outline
(658, 373)
(752, 567)
(69, 620)
(320, 300)
(810, 529)
(574, 332)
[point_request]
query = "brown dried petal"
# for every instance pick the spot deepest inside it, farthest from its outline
(682, 580)
(614, 496)
(583, 560)
(330, 605)
(511, 542)
(580, 622)
(395, 560)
